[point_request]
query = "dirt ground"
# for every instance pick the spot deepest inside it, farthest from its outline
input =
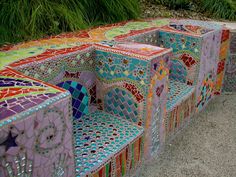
(206, 148)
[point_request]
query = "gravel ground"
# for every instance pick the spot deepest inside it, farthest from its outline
(206, 148)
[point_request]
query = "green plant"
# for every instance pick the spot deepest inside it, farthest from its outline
(30, 19)
(219, 8)
(109, 11)
(25, 19)
(175, 4)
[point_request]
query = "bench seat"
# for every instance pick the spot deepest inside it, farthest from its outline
(180, 106)
(178, 92)
(99, 137)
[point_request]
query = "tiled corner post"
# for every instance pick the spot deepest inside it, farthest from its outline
(207, 78)
(194, 63)
(38, 141)
(226, 66)
(201, 71)
(137, 84)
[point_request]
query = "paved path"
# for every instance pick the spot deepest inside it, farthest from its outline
(206, 148)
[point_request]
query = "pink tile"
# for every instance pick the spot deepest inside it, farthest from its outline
(13, 151)
(30, 154)
(20, 125)
(2, 150)
(37, 160)
(30, 142)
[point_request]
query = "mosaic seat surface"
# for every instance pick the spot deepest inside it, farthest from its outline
(177, 93)
(100, 136)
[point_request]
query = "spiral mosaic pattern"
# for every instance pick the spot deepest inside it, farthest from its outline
(51, 135)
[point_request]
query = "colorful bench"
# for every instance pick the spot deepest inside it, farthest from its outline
(131, 87)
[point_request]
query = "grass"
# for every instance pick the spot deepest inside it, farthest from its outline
(225, 9)
(22, 20)
(175, 4)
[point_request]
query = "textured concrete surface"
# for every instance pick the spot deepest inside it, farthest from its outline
(206, 148)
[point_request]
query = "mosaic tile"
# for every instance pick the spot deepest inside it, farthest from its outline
(145, 37)
(48, 54)
(98, 137)
(19, 93)
(133, 48)
(206, 91)
(178, 71)
(208, 67)
(187, 54)
(120, 103)
(80, 97)
(112, 66)
(186, 29)
(180, 42)
(54, 69)
(223, 55)
(179, 115)
(177, 92)
(111, 34)
(188, 60)
(204, 24)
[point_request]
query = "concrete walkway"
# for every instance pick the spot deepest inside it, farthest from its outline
(206, 148)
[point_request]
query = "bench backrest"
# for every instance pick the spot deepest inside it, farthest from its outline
(73, 70)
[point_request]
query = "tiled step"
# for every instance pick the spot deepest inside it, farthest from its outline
(177, 93)
(99, 137)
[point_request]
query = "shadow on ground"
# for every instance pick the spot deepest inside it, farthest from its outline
(206, 148)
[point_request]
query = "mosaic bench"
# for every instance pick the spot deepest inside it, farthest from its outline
(129, 92)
